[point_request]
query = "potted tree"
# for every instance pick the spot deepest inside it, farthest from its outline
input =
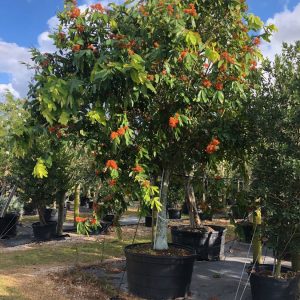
(172, 73)
(276, 172)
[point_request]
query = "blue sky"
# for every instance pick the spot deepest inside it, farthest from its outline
(26, 23)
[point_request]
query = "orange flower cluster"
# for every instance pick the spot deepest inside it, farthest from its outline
(121, 131)
(112, 182)
(227, 57)
(247, 49)
(61, 35)
(212, 146)
(206, 83)
(191, 11)
(93, 221)
(76, 48)
(75, 13)
(170, 10)
(183, 54)
(150, 77)
(156, 45)
(80, 28)
(206, 65)
(146, 183)
(80, 219)
(98, 6)
(253, 65)
(164, 72)
(130, 52)
(219, 86)
(173, 121)
(256, 41)
(112, 164)
(91, 47)
(143, 11)
(137, 168)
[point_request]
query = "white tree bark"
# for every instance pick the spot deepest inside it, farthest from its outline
(161, 237)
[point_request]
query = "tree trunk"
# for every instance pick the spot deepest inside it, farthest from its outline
(257, 245)
(76, 202)
(161, 238)
(41, 212)
(277, 268)
(195, 221)
(61, 197)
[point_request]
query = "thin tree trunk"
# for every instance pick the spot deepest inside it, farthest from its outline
(61, 197)
(41, 212)
(76, 202)
(195, 221)
(161, 238)
(277, 268)
(257, 245)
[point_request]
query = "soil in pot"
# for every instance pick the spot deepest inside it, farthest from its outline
(8, 225)
(265, 287)
(44, 232)
(208, 241)
(174, 213)
(159, 275)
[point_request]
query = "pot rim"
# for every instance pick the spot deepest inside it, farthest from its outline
(38, 224)
(192, 255)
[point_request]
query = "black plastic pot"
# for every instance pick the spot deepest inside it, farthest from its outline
(245, 231)
(43, 232)
(174, 213)
(159, 277)
(204, 216)
(51, 215)
(270, 288)
(148, 221)
(8, 225)
(238, 212)
(185, 209)
(208, 245)
(108, 218)
(84, 201)
(91, 203)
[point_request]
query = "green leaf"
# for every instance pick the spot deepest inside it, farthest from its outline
(64, 118)
(97, 116)
(40, 170)
(192, 38)
(212, 54)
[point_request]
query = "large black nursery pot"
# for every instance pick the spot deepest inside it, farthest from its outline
(245, 231)
(159, 277)
(208, 245)
(266, 287)
(51, 214)
(174, 213)
(8, 225)
(44, 232)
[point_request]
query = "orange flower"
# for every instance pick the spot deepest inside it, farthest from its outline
(173, 122)
(112, 164)
(51, 129)
(114, 135)
(211, 148)
(130, 52)
(93, 221)
(121, 131)
(219, 86)
(146, 183)
(150, 77)
(206, 65)
(75, 12)
(80, 28)
(191, 11)
(164, 72)
(91, 47)
(256, 41)
(76, 48)
(80, 219)
(206, 83)
(170, 9)
(61, 35)
(183, 54)
(253, 65)
(98, 6)
(112, 182)
(215, 142)
(156, 45)
(138, 168)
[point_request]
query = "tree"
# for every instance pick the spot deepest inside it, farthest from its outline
(150, 86)
(277, 168)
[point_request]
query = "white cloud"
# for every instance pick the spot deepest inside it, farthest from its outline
(288, 24)
(11, 56)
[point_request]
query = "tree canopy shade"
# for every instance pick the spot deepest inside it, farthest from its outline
(149, 86)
